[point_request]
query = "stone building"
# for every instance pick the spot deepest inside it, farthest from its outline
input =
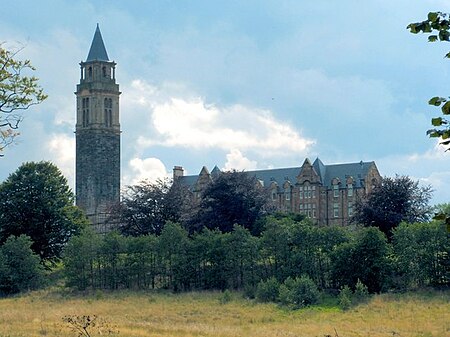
(325, 193)
(97, 181)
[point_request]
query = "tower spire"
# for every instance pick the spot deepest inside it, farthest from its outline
(98, 50)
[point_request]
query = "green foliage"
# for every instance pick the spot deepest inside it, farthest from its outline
(345, 297)
(17, 93)
(361, 291)
(392, 201)
(422, 253)
(365, 258)
(36, 201)
(298, 292)
(146, 207)
(232, 198)
(437, 24)
(20, 268)
(305, 256)
(80, 258)
(225, 297)
(268, 290)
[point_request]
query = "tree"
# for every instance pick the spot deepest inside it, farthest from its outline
(35, 200)
(392, 201)
(368, 255)
(437, 25)
(147, 206)
(17, 93)
(20, 268)
(232, 198)
(422, 254)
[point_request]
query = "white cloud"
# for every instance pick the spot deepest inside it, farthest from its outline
(61, 149)
(237, 161)
(149, 169)
(192, 123)
(431, 167)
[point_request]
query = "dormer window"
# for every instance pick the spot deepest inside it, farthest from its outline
(287, 193)
(274, 195)
(336, 190)
(350, 190)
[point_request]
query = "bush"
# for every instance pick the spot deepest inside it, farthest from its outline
(267, 291)
(225, 297)
(345, 297)
(20, 268)
(361, 291)
(249, 291)
(300, 292)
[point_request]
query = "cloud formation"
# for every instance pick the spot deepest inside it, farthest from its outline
(193, 123)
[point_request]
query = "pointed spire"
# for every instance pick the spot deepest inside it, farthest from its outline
(98, 50)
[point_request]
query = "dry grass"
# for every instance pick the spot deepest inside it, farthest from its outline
(201, 314)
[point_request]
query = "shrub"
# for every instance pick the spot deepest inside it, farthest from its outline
(298, 292)
(225, 297)
(361, 291)
(20, 267)
(345, 297)
(267, 291)
(249, 291)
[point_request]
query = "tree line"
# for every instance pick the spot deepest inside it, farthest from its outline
(229, 240)
(332, 257)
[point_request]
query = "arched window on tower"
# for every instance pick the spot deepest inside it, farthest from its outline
(104, 71)
(90, 72)
(108, 111)
(85, 108)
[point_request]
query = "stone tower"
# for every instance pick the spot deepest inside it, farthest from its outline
(97, 135)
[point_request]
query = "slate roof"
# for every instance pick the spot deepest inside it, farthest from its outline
(358, 171)
(98, 50)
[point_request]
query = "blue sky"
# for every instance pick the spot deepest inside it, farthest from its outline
(240, 84)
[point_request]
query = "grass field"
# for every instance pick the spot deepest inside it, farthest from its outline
(423, 314)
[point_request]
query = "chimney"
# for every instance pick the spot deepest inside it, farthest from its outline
(177, 172)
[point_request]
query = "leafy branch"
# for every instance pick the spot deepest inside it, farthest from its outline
(437, 25)
(18, 92)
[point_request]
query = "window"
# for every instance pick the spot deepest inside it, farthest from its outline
(336, 210)
(108, 112)
(350, 190)
(287, 193)
(313, 191)
(85, 109)
(350, 209)
(300, 192)
(336, 191)
(274, 195)
(308, 192)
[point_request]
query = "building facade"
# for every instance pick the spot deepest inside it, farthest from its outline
(326, 194)
(97, 130)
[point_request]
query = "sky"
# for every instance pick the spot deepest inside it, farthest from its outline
(242, 85)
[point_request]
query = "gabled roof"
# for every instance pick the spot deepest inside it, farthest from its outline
(98, 50)
(319, 167)
(358, 171)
